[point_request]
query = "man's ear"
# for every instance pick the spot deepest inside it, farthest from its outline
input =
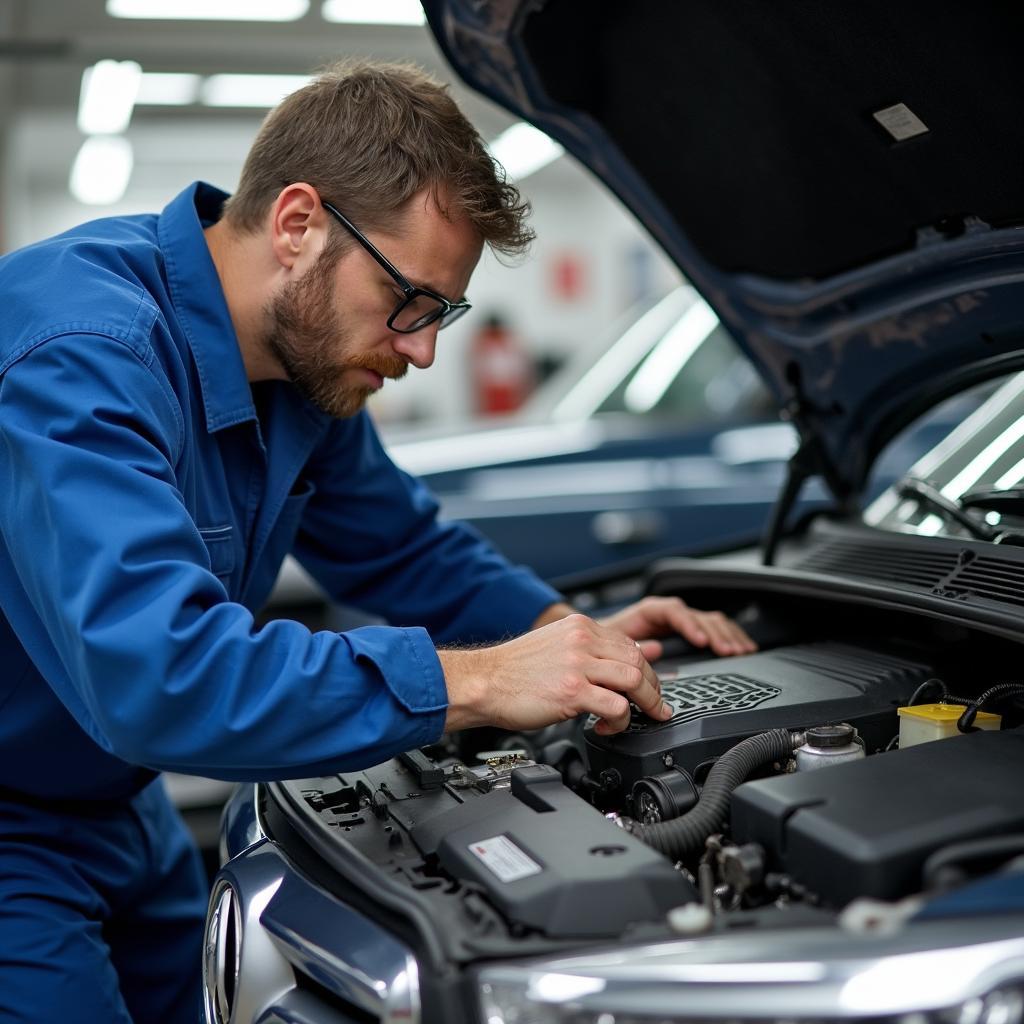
(298, 226)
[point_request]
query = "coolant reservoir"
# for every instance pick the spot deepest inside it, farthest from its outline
(924, 722)
(826, 745)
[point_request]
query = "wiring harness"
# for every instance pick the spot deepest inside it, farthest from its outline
(972, 705)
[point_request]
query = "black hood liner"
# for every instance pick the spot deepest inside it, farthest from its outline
(752, 122)
(865, 278)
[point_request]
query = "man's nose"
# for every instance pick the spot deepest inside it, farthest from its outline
(418, 347)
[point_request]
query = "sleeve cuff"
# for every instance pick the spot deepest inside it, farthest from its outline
(407, 662)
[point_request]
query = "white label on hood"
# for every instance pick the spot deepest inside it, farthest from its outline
(900, 122)
(503, 858)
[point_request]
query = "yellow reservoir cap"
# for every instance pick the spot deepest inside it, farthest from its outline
(924, 722)
(949, 713)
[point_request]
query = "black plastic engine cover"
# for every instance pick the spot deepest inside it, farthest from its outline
(865, 828)
(721, 701)
(550, 861)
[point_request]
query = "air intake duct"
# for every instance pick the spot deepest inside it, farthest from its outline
(683, 837)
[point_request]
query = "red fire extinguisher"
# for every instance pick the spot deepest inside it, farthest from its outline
(502, 369)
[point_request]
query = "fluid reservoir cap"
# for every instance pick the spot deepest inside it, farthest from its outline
(831, 735)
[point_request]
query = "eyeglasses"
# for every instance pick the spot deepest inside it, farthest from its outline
(418, 307)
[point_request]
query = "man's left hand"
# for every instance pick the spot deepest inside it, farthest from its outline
(655, 617)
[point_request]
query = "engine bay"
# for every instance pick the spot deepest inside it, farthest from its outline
(802, 781)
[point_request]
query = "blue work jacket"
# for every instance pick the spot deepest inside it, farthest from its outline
(145, 508)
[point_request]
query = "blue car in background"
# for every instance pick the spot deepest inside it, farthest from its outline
(660, 439)
(664, 441)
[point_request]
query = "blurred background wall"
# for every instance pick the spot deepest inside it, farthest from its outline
(187, 121)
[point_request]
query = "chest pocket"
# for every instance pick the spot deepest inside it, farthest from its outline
(221, 549)
(282, 536)
(277, 544)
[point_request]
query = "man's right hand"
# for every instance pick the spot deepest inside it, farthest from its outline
(552, 674)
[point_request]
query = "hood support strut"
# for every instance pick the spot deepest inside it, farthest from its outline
(807, 461)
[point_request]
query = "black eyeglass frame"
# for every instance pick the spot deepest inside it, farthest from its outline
(447, 311)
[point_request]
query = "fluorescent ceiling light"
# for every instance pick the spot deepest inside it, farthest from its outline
(102, 168)
(523, 149)
(972, 473)
(167, 89)
(209, 10)
(374, 12)
(107, 96)
(1012, 477)
(249, 90)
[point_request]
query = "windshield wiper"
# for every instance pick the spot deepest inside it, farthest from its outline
(930, 497)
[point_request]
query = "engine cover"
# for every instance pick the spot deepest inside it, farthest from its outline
(866, 828)
(549, 861)
(721, 701)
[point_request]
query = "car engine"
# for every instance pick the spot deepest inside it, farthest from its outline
(791, 781)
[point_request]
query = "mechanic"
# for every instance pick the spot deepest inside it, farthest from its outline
(181, 404)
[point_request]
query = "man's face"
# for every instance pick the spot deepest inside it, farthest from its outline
(328, 330)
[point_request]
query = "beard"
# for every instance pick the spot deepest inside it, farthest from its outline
(310, 339)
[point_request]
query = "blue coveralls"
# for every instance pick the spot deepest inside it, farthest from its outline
(145, 509)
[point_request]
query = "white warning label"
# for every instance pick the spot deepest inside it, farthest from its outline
(504, 859)
(900, 122)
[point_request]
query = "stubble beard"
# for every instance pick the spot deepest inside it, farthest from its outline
(309, 338)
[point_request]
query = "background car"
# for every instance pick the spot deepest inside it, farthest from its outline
(663, 436)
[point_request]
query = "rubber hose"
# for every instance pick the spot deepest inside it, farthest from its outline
(686, 834)
(975, 704)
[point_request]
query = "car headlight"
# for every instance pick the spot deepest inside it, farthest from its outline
(922, 975)
(559, 999)
(1003, 1006)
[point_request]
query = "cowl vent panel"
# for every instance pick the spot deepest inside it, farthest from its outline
(993, 580)
(958, 575)
(884, 562)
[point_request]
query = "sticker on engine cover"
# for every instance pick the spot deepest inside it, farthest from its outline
(504, 859)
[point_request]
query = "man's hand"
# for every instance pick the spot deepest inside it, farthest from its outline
(664, 616)
(655, 617)
(552, 674)
(569, 664)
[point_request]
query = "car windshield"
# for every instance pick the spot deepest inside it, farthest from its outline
(972, 483)
(719, 383)
(674, 361)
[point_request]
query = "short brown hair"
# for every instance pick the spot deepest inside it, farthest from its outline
(368, 136)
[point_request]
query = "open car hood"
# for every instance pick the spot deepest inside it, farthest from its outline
(843, 182)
